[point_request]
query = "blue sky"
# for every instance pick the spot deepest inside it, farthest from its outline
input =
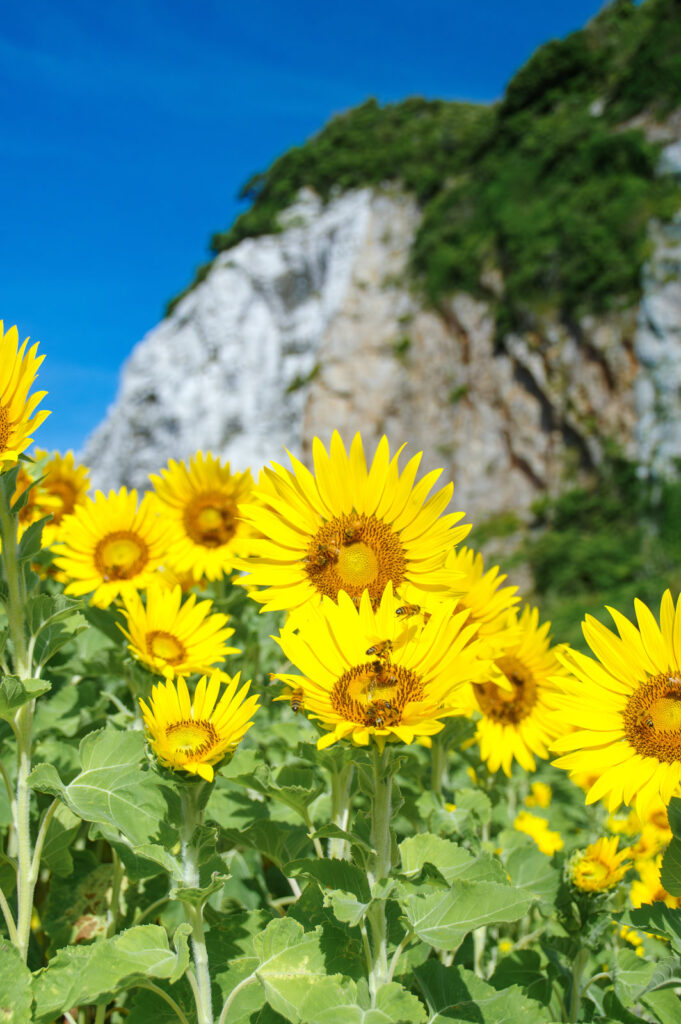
(129, 127)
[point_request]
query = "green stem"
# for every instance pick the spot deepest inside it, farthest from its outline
(578, 966)
(192, 816)
(438, 763)
(341, 789)
(381, 840)
(26, 875)
(164, 995)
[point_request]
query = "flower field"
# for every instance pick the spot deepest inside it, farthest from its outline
(281, 748)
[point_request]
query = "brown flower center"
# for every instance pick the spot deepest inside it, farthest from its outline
(165, 646)
(375, 693)
(652, 718)
(120, 555)
(65, 493)
(508, 706)
(355, 553)
(210, 519)
(192, 739)
(4, 428)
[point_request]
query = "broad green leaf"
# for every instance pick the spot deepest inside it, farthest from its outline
(147, 1007)
(111, 789)
(342, 947)
(290, 962)
(451, 861)
(335, 1003)
(31, 540)
(527, 867)
(44, 609)
(61, 832)
(15, 986)
(632, 975)
(15, 692)
(674, 815)
(96, 973)
(333, 874)
(346, 907)
(615, 1011)
(660, 920)
(454, 994)
(524, 967)
(443, 919)
(279, 842)
(670, 874)
(334, 832)
(76, 908)
(665, 1005)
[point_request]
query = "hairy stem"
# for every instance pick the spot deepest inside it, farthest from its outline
(341, 789)
(381, 839)
(578, 966)
(192, 817)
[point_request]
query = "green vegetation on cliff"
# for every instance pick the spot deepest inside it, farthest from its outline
(551, 185)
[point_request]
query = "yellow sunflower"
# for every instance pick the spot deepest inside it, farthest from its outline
(18, 416)
(625, 708)
(600, 866)
(367, 676)
(516, 718)
(175, 639)
(348, 528)
(64, 485)
(539, 796)
(194, 735)
(204, 500)
(109, 546)
(538, 829)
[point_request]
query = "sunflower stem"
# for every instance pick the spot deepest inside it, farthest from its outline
(15, 603)
(381, 840)
(192, 817)
(341, 789)
(578, 966)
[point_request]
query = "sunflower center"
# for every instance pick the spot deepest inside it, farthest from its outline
(4, 428)
(191, 739)
(166, 646)
(355, 553)
(375, 693)
(66, 494)
(210, 519)
(120, 555)
(652, 718)
(508, 706)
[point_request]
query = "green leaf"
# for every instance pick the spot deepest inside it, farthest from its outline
(342, 947)
(527, 867)
(76, 907)
(279, 842)
(111, 789)
(454, 994)
(346, 907)
(524, 967)
(96, 973)
(333, 874)
(659, 919)
(335, 1003)
(665, 1005)
(15, 692)
(670, 873)
(451, 861)
(443, 919)
(45, 609)
(334, 832)
(15, 986)
(61, 832)
(632, 975)
(32, 538)
(674, 815)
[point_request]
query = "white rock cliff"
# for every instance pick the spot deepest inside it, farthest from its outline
(316, 328)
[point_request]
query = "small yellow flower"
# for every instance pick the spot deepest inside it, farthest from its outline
(175, 639)
(538, 828)
(539, 795)
(631, 936)
(195, 735)
(505, 946)
(18, 416)
(600, 866)
(63, 487)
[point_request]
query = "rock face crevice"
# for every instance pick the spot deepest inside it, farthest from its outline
(316, 328)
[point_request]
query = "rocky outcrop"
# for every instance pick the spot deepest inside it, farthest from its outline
(316, 328)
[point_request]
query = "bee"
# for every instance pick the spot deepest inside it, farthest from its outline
(297, 701)
(352, 532)
(376, 711)
(674, 682)
(643, 718)
(320, 560)
(381, 649)
(407, 610)
(382, 677)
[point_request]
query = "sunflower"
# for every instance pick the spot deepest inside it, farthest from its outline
(600, 866)
(110, 546)
(64, 485)
(517, 720)
(204, 501)
(194, 735)
(175, 639)
(368, 676)
(625, 708)
(538, 829)
(34, 506)
(539, 796)
(18, 416)
(348, 528)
